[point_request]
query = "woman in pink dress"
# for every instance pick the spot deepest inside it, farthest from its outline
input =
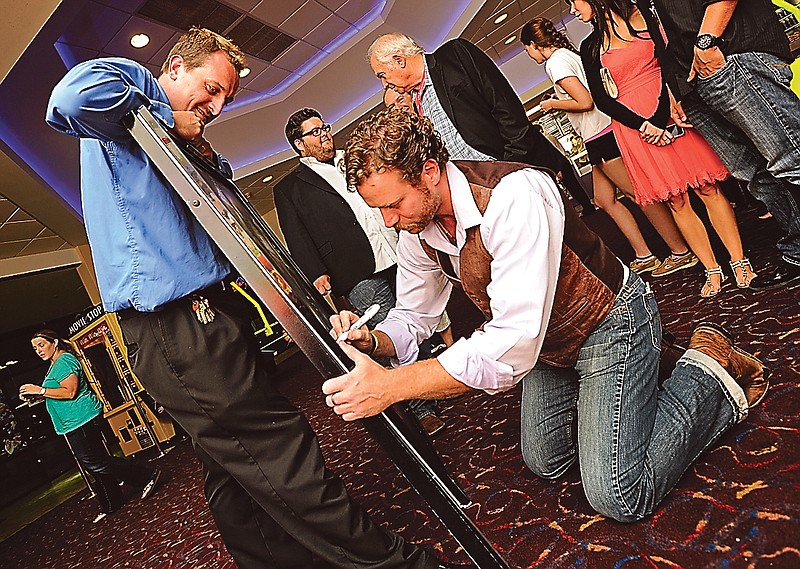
(552, 48)
(663, 163)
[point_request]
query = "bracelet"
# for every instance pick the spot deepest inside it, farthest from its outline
(43, 391)
(374, 343)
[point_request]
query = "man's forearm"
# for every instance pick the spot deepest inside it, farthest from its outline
(425, 379)
(717, 17)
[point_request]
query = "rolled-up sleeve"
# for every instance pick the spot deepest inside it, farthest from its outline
(422, 295)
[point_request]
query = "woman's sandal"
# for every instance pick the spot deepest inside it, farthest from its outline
(747, 272)
(708, 289)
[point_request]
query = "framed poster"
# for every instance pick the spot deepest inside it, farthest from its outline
(262, 260)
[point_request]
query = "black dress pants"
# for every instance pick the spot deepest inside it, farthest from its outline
(211, 379)
(108, 471)
(245, 526)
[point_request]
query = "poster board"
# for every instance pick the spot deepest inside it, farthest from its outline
(262, 260)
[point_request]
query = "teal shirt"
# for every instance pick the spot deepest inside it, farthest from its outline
(70, 414)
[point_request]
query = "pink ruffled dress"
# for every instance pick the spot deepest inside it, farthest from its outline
(657, 172)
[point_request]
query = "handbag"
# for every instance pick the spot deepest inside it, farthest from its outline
(608, 83)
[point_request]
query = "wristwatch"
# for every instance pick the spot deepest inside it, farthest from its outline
(707, 41)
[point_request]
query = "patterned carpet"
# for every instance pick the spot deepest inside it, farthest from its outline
(737, 507)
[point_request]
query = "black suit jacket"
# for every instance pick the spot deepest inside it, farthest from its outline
(484, 108)
(321, 231)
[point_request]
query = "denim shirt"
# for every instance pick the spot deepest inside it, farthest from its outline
(148, 249)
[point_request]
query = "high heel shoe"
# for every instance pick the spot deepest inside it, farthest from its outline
(748, 274)
(708, 289)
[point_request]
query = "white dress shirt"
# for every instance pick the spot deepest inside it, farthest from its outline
(383, 239)
(522, 229)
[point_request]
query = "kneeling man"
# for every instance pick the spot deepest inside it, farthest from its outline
(564, 316)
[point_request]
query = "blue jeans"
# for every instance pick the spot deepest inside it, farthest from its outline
(380, 289)
(377, 289)
(751, 118)
(633, 441)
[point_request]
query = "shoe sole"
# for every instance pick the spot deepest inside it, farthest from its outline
(435, 430)
(774, 286)
(763, 394)
(151, 486)
(677, 268)
(765, 370)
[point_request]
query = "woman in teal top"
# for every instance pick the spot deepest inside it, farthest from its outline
(75, 411)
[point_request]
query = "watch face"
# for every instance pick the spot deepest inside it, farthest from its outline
(704, 41)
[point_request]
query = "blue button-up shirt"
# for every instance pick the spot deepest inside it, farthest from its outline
(148, 249)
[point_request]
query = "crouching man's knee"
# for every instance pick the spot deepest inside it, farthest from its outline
(607, 503)
(544, 465)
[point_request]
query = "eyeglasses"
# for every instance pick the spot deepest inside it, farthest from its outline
(317, 131)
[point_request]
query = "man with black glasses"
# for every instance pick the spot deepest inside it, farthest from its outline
(340, 243)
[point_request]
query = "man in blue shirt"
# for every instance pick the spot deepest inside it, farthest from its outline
(272, 497)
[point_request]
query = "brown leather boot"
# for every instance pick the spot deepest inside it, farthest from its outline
(750, 373)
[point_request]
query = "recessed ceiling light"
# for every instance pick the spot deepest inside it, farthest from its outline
(140, 40)
(501, 18)
(267, 179)
(510, 39)
(244, 72)
(11, 362)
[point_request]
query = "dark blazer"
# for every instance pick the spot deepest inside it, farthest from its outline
(321, 231)
(484, 108)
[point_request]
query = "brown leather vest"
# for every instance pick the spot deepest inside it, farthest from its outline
(589, 279)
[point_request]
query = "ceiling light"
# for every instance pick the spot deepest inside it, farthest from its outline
(244, 72)
(510, 39)
(501, 18)
(11, 362)
(140, 40)
(267, 179)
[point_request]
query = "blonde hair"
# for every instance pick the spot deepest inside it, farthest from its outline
(196, 45)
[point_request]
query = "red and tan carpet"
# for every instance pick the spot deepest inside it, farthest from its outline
(737, 507)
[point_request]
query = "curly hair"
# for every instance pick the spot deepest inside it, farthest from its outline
(196, 45)
(543, 33)
(392, 139)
